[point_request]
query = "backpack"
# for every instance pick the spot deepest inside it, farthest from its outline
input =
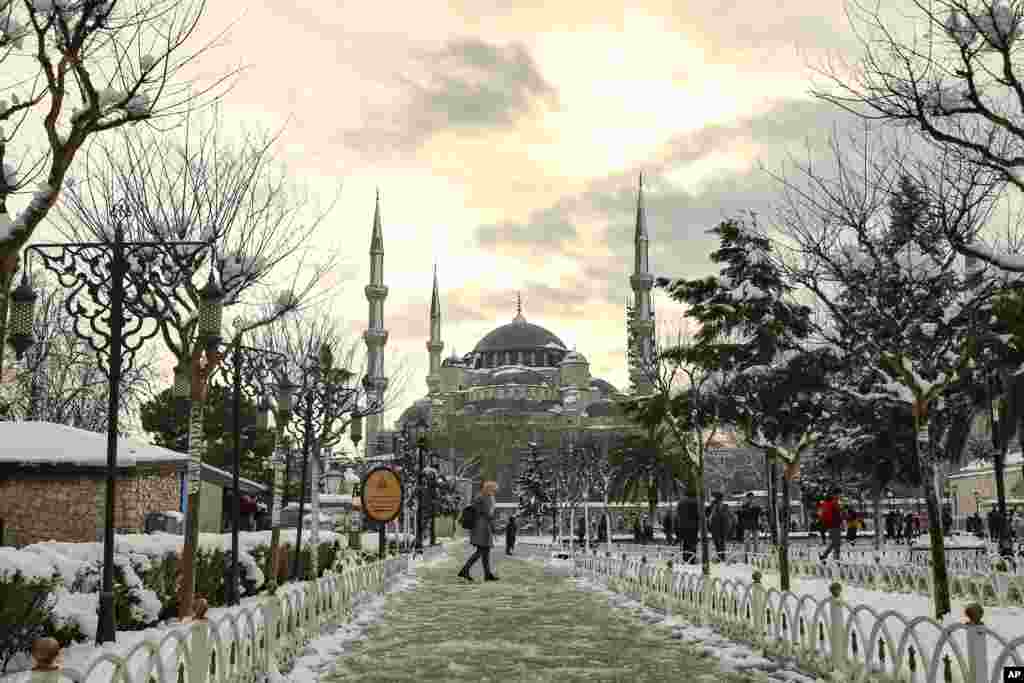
(468, 519)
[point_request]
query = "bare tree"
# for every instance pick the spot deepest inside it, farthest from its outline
(870, 243)
(200, 186)
(125, 61)
(954, 80)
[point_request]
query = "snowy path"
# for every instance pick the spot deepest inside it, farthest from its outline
(532, 625)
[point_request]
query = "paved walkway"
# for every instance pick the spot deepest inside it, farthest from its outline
(531, 626)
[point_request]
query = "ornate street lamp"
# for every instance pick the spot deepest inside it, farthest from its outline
(324, 397)
(124, 284)
(285, 395)
(249, 370)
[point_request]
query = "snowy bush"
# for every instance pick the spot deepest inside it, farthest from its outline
(27, 603)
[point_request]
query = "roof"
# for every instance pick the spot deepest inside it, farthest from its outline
(1014, 459)
(216, 475)
(512, 375)
(46, 443)
(519, 335)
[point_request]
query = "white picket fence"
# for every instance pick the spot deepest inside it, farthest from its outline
(242, 644)
(822, 634)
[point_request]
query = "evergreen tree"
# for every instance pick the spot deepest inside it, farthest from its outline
(164, 419)
(534, 484)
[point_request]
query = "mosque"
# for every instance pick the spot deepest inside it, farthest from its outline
(519, 384)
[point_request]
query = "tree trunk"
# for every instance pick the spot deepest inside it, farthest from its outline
(784, 539)
(8, 265)
(772, 473)
(586, 518)
(607, 517)
(702, 520)
(999, 467)
(572, 528)
(876, 499)
(196, 449)
(940, 576)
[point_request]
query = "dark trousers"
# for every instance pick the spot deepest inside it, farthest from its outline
(690, 548)
(719, 547)
(835, 538)
(483, 553)
(510, 543)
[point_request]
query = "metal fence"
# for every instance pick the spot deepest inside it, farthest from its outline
(823, 635)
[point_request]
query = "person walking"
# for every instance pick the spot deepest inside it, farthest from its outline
(750, 525)
(832, 521)
(852, 528)
(668, 522)
(688, 526)
(890, 526)
(908, 528)
(510, 534)
(720, 522)
(483, 532)
(602, 529)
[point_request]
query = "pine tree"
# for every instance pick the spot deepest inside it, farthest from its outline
(533, 485)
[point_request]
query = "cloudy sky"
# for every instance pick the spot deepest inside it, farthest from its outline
(507, 138)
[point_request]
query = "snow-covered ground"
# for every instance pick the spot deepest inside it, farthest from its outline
(732, 655)
(320, 656)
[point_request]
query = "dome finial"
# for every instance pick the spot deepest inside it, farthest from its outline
(519, 309)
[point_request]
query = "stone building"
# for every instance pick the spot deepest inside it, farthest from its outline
(522, 384)
(53, 483)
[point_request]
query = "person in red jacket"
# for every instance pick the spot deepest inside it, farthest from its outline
(832, 520)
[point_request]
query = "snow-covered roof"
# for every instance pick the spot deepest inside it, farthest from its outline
(223, 476)
(45, 443)
(976, 467)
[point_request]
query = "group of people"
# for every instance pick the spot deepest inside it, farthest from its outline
(994, 524)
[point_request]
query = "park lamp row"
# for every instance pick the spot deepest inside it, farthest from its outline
(23, 304)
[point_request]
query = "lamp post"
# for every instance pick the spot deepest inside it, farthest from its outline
(250, 371)
(324, 397)
(420, 425)
(431, 473)
(114, 325)
(999, 446)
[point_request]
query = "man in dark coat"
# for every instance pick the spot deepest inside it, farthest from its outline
(668, 522)
(483, 532)
(602, 530)
(688, 526)
(510, 534)
(720, 523)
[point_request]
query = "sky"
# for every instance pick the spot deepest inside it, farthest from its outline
(506, 140)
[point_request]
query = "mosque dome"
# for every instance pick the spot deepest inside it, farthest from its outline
(519, 335)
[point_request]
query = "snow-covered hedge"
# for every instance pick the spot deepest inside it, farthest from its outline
(146, 574)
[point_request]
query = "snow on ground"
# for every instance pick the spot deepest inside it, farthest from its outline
(732, 655)
(319, 657)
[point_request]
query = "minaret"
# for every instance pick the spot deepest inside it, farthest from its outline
(434, 344)
(643, 314)
(375, 335)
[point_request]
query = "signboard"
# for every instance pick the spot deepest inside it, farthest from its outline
(194, 475)
(381, 494)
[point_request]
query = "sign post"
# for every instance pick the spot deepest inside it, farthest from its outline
(381, 497)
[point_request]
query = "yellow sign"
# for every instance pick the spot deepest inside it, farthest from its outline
(382, 495)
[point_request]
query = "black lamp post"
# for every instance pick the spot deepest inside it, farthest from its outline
(124, 283)
(1005, 544)
(324, 396)
(250, 371)
(420, 426)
